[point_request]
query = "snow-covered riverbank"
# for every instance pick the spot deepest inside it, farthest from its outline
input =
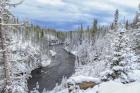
(62, 65)
(25, 57)
(98, 61)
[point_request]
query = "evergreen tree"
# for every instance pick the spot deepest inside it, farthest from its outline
(136, 21)
(111, 26)
(94, 28)
(81, 34)
(126, 25)
(116, 15)
(95, 25)
(42, 33)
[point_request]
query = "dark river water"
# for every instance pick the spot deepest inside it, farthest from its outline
(62, 65)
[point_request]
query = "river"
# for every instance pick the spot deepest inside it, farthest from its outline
(62, 64)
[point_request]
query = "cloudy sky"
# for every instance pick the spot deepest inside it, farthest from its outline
(68, 14)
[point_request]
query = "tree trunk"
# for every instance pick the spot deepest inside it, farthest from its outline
(5, 59)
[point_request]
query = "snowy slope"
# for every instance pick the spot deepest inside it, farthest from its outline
(26, 56)
(100, 62)
(99, 58)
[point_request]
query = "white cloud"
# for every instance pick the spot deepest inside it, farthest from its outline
(128, 3)
(51, 2)
(75, 10)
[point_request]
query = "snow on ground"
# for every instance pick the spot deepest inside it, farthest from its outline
(106, 87)
(25, 58)
(134, 75)
(114, 87)
(98, 61)
(45, 61)
(94, 61)
(53, 53)
(50, 37)
(80, 79)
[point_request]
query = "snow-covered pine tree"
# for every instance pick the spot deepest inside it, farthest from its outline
(81, 34)
(126, 24)
(5, 16)
(117, 58)
(123, 58)
(94, 30)
(116, 19)
(136, 21)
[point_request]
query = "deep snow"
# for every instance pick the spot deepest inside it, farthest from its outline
(99, 59)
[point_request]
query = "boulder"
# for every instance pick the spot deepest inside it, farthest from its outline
(81, 82)
(86, 85)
